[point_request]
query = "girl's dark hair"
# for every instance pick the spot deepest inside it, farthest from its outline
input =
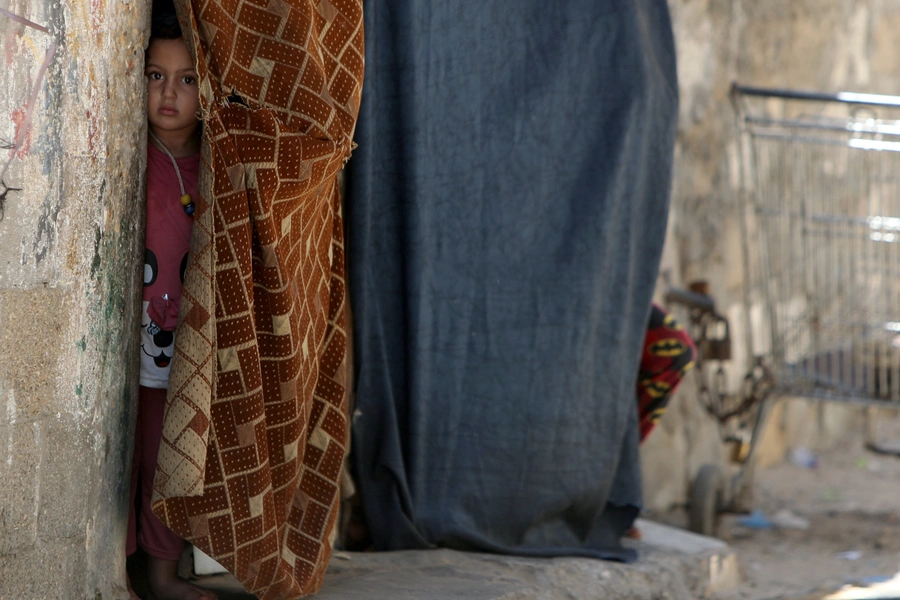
(164, 22)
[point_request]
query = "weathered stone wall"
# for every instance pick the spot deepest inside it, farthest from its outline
(820, 45)
(70, 256)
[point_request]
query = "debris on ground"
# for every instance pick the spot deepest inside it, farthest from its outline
(834, 529)
(803, 457)
(786, 519)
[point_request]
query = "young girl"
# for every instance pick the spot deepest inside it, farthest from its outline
(173, 162)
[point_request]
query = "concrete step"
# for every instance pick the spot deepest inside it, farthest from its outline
(674, 564)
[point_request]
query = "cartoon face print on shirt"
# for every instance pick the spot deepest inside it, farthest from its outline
(158, 344)
(160, 314)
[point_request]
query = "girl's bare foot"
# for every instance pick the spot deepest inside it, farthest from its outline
(167, 585)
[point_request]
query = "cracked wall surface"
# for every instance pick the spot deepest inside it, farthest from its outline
(70, 256)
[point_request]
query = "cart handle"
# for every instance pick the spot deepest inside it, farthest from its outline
(691, 299)
(845, 97)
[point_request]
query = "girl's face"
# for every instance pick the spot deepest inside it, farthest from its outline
(173, 99)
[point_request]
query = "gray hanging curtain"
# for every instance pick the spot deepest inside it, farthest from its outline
(506, 213)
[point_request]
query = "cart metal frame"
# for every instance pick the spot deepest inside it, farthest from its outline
(819, 201)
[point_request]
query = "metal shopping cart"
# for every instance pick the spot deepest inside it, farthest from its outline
(820, 215)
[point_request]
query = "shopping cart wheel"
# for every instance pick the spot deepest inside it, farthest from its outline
(705, 499)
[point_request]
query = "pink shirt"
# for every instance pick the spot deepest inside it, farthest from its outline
(165, 260)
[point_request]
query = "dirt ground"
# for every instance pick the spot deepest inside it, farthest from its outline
(850, 500)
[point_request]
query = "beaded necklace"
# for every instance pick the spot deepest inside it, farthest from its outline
(187, 203)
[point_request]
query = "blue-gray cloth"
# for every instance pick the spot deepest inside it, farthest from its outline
(506, 213)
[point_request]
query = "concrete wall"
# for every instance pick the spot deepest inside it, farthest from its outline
(822, 45)
(70, 256)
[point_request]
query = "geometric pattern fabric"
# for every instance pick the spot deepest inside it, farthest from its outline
(256, 428)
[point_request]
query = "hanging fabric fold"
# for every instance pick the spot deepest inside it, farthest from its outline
(256, 431)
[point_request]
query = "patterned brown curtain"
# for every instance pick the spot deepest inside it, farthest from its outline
(256, 431)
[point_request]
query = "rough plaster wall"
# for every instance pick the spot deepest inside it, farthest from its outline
(70, 252)
(822, 45)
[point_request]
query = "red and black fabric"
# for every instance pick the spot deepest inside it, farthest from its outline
(669, 353)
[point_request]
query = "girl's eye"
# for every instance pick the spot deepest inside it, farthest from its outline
(154, 75)
(188, 80)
